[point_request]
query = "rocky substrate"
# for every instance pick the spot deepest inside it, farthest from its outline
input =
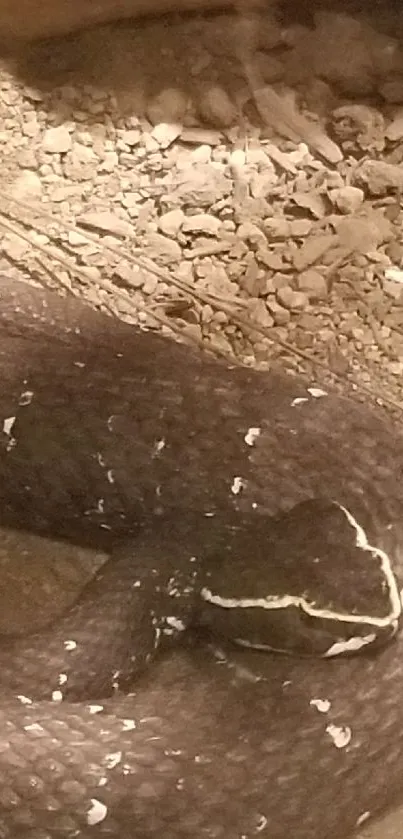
(136, 172)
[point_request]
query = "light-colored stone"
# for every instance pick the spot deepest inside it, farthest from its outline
(201, 223)
(290, 299)
(313, 284)
(170, 223)
(57, 140)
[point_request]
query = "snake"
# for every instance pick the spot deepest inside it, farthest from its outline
(233, 670)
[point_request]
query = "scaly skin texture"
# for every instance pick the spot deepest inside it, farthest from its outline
(103, 426)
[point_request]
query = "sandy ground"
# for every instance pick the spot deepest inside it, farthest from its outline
(254, 210)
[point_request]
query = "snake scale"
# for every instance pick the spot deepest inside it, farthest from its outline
(130, 443)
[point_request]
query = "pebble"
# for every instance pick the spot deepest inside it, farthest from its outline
(171, 222)
(201, 223)
(57, 140)
(27, 185)
(313, 284)
(290, 299)
(347, 199)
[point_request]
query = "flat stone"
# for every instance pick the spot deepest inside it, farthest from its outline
(57, 140)
(170, 223)
(201, 223)
(313, 284)
(290, 299)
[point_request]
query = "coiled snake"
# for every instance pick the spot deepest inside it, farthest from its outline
(175, 462)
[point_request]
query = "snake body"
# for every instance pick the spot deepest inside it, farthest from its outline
(107, 434)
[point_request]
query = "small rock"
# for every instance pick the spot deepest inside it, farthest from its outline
(259, 313)
(347, 199)
(251, 233)
(281, 316)
(76, 239)
(109, 163)
(170, 223)
(199, 186)
(57, 140)
(151, 284)
(300, 228)
(201, 223)
(26, 159)
(165, 133)
(290, 299)
(201, 136)
(312, 201)
(132, 276)
(379, 177)
(27, 185)
(313, 284)
(14, 247)
(219, 343)
(131, 137)
(277, 228)
(395, 368)
(216, 108)
(201, 154)
(393, 289)
(270, 259)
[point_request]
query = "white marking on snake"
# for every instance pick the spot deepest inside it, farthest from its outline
(70, 645)
(113, 759)
(299, 400)
(252, 435)
(316, 392)
(352, 645)
(128, 725)
(57, 696)
(321, 705)
(341, 735)
(102, 782)
(363, 818)
(34, 726)
(62, 679)
(97, 812)
(237, 485)
(110, 476)
(95, 709)
(26, 398)
(262, 823)
(159, 446)
(284, 601)
(25, 700)
(8, 425)
(176, 623)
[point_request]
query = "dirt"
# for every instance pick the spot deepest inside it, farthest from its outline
(253, 207)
